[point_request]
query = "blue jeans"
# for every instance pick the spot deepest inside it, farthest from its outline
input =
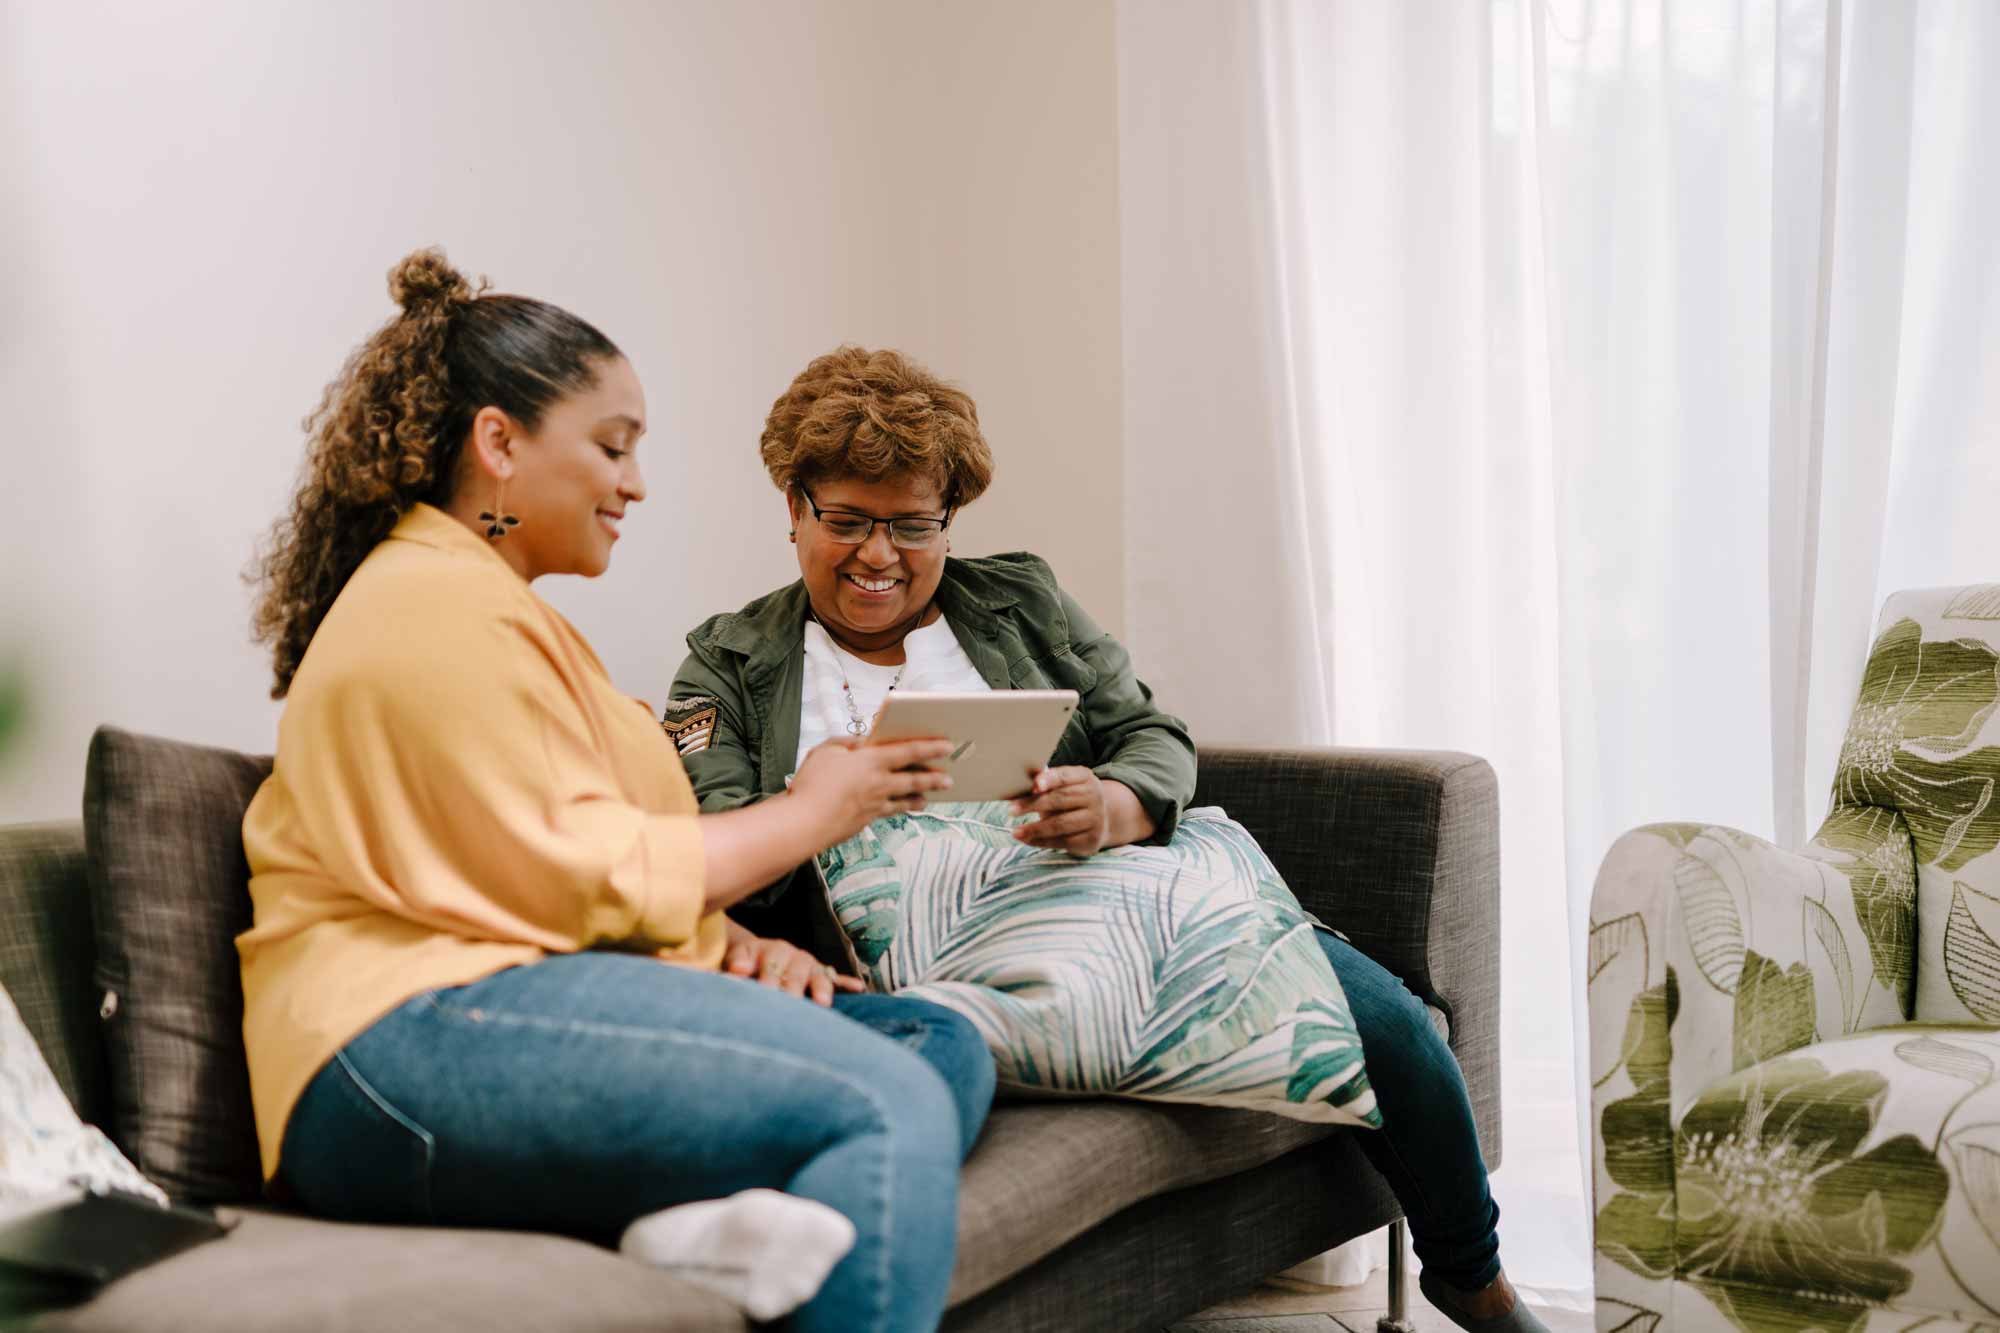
(583, 1091)
(1428, 1146)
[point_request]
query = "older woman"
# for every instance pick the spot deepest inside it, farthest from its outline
(874, 456)
(485, 980)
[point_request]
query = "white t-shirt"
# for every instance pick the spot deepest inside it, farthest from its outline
(932, 660)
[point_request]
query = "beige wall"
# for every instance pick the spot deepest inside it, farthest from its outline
(199, 206)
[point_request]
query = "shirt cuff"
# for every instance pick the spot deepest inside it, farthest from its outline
(675, 875)
(1164, 810)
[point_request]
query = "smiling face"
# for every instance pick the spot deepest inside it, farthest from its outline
(570, 481)
(869, 596)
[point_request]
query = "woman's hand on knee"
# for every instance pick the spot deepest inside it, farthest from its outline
(783, 966)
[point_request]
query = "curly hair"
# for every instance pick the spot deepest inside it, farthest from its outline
(857, 413)
(390, 429)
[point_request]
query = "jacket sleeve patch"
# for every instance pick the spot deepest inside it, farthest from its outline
(690, 722)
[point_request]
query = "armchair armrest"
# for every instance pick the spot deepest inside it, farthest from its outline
(1399, 850)
(1711, 951)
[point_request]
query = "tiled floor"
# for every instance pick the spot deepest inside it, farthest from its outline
(1282, 1306)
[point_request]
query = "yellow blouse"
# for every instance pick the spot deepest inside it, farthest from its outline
(459, 789)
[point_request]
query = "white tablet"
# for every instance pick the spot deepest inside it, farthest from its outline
(1002, 736)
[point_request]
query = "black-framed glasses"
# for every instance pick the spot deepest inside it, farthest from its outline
(851, 529)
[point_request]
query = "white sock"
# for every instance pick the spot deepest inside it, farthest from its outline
(765, 1251)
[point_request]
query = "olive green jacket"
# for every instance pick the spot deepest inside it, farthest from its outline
(1019, 628)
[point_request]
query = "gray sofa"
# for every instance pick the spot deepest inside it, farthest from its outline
(1074, 1216)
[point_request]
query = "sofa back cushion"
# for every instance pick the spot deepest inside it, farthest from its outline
(1924, 741)
(163, 826)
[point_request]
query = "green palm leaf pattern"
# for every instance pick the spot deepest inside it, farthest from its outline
(1187, 972)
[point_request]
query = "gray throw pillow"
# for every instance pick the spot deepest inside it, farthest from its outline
(163, 827)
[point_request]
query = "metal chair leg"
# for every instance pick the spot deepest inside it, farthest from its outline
(1398, 1318)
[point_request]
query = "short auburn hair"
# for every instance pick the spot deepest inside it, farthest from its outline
(871, 415)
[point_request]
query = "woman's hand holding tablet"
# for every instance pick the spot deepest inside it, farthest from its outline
(1000, 738)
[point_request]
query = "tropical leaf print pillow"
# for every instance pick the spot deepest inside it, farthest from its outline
(1184, 973)
(44, 1148)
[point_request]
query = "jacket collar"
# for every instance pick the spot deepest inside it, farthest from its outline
(769, 627)
(967, 585)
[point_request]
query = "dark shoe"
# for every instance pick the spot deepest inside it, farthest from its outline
(1456, 1306)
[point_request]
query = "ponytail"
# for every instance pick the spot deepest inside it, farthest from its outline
(389, 431)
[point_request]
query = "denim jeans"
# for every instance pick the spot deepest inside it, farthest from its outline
(583, 1091)
(1428, 1146)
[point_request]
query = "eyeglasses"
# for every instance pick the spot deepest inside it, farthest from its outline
(851, 529)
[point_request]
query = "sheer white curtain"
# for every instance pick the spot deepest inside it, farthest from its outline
(1563, 382)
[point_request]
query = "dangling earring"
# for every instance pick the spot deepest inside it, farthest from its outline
(792, 536)
(498, 520)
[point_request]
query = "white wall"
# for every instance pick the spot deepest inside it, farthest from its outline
(199, 203)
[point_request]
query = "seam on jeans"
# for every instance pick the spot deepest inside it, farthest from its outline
(1408, 1000)
(387, 1108)
(1417, 1188)
(886, 1125)
(1416, 1185)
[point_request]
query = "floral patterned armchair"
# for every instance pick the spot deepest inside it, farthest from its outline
(1794, 1057)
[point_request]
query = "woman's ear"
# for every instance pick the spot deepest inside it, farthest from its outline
(492, 443)
(795, 510)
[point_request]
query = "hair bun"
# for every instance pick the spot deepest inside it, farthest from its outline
(425, 280)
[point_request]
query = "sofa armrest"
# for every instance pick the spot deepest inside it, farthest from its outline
(1399, 850)
(1710, 951)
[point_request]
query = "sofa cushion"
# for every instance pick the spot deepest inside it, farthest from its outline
(1044, 1173)
(277, 1272)
(163, 825)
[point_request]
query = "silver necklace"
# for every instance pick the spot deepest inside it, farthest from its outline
(855, 725)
